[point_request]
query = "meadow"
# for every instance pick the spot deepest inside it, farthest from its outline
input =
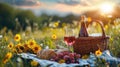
(49, 37)
(21, 31)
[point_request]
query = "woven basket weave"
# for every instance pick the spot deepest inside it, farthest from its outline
(85, 45)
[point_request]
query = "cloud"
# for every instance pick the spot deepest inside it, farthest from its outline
(69, 2)
(74, 2)
(60, 7)
(21, 2)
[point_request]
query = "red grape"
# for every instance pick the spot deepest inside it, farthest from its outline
(71, 54)
(72, 61)
(67, 57)
(60, 55)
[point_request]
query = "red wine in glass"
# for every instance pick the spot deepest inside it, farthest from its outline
(69, 40)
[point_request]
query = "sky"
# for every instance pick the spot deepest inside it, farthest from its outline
(59, 7)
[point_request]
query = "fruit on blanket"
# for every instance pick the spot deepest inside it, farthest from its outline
(46, 54)
(67, 57)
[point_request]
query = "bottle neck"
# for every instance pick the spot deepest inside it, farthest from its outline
(83, 19)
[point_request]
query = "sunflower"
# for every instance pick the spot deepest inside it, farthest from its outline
(26, 47)
(98, 52)
(14, 50)
(36, 48)
(34, 63)
(54, 36)
(10, 45)
(17, 37)
(7, 57)
(31, 43)
(19, 47)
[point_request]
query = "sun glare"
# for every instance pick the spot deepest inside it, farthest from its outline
(106, 8)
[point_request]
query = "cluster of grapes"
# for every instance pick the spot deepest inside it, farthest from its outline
(67, 57)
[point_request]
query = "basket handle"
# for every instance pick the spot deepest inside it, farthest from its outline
(101, 25)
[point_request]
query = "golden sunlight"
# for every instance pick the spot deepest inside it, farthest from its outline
(106, 8)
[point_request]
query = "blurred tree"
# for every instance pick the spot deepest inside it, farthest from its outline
(43, 20)
(7, 16)
(26, 18)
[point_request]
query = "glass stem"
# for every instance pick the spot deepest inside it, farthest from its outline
(70, 48)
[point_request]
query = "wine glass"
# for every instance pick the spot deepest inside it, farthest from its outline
(69, 38)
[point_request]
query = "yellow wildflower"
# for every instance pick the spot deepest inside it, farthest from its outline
(98, 52)
(61, 61)
(31, 43)
(26, 47)
(10, 45)
(17, 37)
(6, 38)
(17, 45)
(56, 24)
(89, 19)
(7, 57)
(63, 24)
(36, 48)
(54, 36)
(34, 63)
(14, 50)
(106, 27)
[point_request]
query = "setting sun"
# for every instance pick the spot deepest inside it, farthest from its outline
(106, 8)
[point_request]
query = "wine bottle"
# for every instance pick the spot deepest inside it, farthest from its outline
(83, 31)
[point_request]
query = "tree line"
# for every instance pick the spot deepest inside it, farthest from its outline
(14, 18)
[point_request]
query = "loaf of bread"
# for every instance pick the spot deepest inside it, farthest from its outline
(46, 54)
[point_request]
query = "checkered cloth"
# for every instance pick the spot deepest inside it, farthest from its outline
(106, 55)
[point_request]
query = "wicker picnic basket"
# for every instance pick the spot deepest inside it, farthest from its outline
(85, 45)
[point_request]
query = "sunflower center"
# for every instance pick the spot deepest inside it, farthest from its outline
(25, 45)
(10, 45)
(36, 48)
(21, 47)
(98, 53)
(16, 37)
(31, 43)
